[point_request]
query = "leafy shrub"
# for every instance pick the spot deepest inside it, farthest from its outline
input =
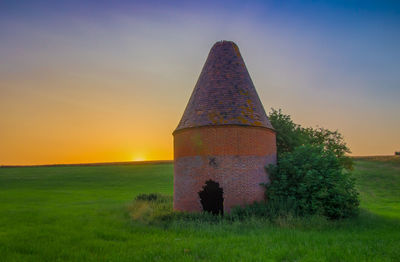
(313, 178)
(310, 170)
(331, 141)
(289, 136)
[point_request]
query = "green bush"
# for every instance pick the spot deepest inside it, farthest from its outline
(331, 141)
(289, 136)
(313, 178)
(312, 170)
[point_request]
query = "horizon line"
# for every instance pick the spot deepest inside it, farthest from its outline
(133, 162)
(94, 163)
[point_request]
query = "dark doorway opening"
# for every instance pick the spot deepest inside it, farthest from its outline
(212, 198)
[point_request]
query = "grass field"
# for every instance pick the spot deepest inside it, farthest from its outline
(80, 214)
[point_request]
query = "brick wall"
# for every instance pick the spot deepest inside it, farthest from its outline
(233, 156)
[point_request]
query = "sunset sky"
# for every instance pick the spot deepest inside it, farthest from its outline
(97, 81)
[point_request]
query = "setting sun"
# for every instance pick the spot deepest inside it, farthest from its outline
(139, 158)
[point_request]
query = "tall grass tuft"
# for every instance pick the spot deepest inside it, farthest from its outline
(149, 208)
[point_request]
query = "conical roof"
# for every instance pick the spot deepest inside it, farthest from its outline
(224, 93)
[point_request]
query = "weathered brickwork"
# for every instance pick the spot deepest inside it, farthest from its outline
(224, 140)
(224, 135)
(233, 156)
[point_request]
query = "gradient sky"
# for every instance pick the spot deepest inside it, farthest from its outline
(95, 81)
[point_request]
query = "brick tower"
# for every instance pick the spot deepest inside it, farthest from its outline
(224, 139)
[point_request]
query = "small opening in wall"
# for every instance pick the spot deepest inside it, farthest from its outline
(212, 198)
(212, 162)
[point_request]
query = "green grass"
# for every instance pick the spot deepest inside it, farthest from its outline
(81, 214)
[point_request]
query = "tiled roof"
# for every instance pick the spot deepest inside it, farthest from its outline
(224, 93)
